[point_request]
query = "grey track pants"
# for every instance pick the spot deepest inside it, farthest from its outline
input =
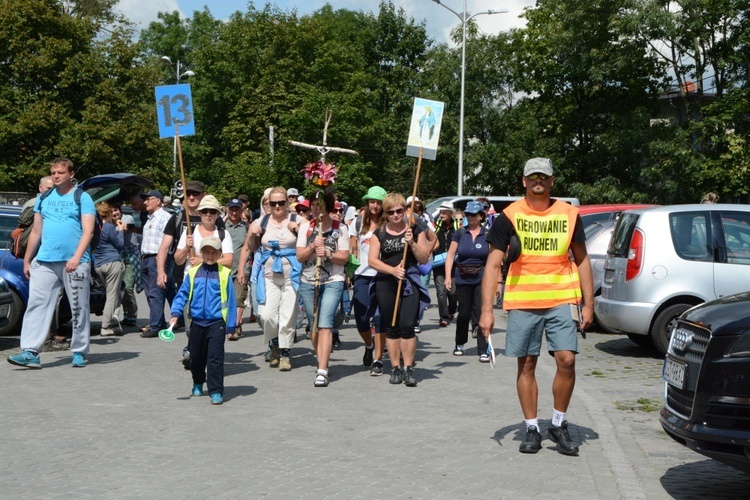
(44, 286)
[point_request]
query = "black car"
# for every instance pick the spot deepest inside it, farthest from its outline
(707, 374)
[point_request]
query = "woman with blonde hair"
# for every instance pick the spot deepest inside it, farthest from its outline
(276, 276)
(386, 254)
(109, 267)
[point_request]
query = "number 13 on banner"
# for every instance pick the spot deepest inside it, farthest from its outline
(174, 108)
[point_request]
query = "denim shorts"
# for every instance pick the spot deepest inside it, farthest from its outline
(330, 297)
(525, 328)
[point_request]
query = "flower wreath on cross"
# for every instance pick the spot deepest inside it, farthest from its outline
(320, 173)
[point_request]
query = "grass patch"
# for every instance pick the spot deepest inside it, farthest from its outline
(597, 373)
(645, 405)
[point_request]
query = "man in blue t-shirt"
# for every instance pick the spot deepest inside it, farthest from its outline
(57, 256)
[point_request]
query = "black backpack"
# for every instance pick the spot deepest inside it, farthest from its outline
(20, 235)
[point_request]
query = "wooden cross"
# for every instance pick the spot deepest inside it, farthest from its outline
(324, 149)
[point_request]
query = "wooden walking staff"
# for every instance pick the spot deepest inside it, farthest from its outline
(406, 247)
(321, 174)
(184, 185)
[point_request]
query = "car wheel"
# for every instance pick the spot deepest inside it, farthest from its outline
(641, 340)
(17, 308)
(660, 330)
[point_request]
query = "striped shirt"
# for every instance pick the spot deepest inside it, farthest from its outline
(153, 231)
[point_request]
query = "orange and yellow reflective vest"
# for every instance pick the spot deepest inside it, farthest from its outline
(543, 276)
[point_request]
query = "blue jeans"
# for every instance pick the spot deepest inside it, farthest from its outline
(328, 302)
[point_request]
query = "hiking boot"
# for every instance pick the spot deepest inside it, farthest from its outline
(284, 364)
(56, 345)
(216, 399)
(197, 390)
(396, 377)
(561, 436)
(376, 369)
(26, 358)
(408, 376)
(367, 358)
(275, 356)
(79, 360)
(532, 443)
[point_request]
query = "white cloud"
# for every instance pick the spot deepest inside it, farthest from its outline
(143, 12)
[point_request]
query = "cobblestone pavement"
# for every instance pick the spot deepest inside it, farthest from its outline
(124, 427)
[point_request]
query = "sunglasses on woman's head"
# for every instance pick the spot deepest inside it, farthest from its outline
(209, 211)
(398, 211)
(279, 203)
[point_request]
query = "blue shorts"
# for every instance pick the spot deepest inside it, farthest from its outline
(525, 328)
(330, 297)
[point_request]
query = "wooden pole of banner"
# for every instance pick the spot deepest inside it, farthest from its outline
(406, 247)
(184, 185)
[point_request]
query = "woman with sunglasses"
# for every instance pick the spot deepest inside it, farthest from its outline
(276, 276)
(386, 253)
(333, 249)
(469, 248)
(210, 211)
(362, 229)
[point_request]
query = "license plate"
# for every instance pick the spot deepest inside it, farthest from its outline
(674, 373)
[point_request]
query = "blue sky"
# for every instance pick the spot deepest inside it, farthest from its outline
(439, 21)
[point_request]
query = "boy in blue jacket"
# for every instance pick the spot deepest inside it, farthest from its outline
(207, 297)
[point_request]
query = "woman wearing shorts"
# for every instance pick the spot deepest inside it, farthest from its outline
(361, 231)
(333, 249)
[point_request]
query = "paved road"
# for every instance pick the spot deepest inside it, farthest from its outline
(124, 427)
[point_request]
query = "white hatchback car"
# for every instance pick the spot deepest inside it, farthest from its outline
(663, 261)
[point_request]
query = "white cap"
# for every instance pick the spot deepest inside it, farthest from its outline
(408, 200)
(211, 241)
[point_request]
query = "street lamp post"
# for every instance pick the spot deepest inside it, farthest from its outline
(178, 75)
(464, 19)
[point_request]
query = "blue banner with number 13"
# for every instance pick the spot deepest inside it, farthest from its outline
(174, 108)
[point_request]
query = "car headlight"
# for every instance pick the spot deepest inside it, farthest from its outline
(740, 348)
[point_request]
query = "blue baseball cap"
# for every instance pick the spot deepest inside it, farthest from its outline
(473, 207)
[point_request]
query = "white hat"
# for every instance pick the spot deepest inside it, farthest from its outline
(211, 241)
(408, 200)
(446, 205)
(300, 199)
(292, 192)
(209, 201)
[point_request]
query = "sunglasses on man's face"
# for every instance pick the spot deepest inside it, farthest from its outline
(534, 177)
(207, 211)
(279, 203)
(193, 193)
(398, 211)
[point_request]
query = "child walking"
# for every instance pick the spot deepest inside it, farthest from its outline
(207, 297)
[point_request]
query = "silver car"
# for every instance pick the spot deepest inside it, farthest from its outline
(663, 261)
(598, 235)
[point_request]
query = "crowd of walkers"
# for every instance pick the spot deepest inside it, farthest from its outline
(297, 258)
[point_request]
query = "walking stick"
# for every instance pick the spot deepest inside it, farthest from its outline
(191, 253)
(318, 267)
(406, 247)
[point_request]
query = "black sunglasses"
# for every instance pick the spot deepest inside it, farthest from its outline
(279, 203)
(193, 193)
(302, 210)
(398, 211)
(337, 211)
(209, 211)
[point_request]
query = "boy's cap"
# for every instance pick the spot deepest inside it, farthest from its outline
(155, 193)
(292, 192)
(538, 166)
(196, 186)
(209, 201)
(211, 241)
(234, 202)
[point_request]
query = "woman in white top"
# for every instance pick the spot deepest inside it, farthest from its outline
(333, 249)
(209, 209)
(364, 308)
(276, 275)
